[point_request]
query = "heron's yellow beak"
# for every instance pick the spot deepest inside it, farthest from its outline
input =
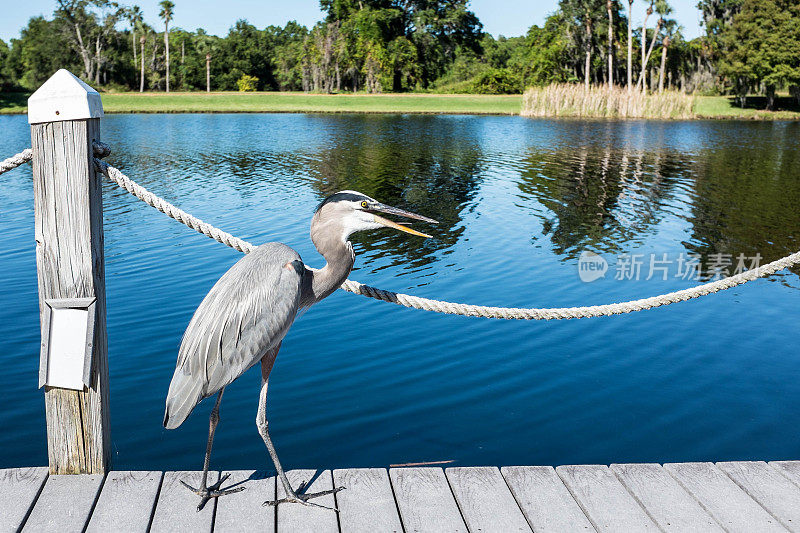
(389, 224)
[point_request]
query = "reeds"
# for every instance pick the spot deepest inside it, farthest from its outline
(573, 100)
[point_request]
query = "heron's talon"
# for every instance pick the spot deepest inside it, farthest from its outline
(273, 503)
(212, 491)
(312, 504)
(294, 497)
(318, 494)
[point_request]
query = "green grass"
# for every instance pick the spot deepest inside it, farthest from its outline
(235, 102)
(11, 103)
(232, 102)
(725, 107)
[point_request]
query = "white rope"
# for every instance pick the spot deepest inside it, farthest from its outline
(439, 306)
(16, 160)
(571, 312)
(170, 210)
(458, 308)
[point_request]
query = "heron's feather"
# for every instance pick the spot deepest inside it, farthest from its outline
(246, 313)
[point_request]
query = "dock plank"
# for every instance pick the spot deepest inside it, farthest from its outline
(20, 487)
(722, 498)
(244, 511)
(176, 508)
(545, 501)
(779, 496)
(672, 508)
(606, 502)
(485, 500)
(425, 500)
(293, 517)
(126, 502)
(65, 503)
(790, 469)
(730, 496)
(367, 503)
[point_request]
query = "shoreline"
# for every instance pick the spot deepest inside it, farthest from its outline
(715, 118)
(707, 107)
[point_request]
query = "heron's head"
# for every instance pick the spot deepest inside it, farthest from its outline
(347, 212)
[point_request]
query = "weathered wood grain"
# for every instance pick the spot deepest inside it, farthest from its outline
(176, 508)
(672, 508)
(485, 501)
(126, 502)
(294, 517)
(607, 504)
(367, 503)
(722, 498)
(638, 497)
(70, 264)
(244, 511)
(64, 504)
(779, 496)
(425, 500)
(545, 501)
(790, 469)
(19, 488)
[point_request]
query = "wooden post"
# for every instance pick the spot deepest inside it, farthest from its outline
(65, 118)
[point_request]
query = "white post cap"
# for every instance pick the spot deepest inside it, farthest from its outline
(64, 97)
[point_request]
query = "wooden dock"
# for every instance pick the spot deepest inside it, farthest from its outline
(735, 497)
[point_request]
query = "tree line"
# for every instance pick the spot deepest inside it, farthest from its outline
(418, 45)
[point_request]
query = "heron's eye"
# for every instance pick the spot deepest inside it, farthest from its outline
(364, 204)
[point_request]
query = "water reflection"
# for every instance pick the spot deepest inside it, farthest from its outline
(746, 200)
(518, 200)
(600, 198)
(409, 165)
(604, 186)
(608, 197)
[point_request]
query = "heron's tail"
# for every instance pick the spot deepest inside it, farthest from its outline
(185, 392)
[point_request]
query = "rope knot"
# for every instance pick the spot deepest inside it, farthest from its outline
(100, 149)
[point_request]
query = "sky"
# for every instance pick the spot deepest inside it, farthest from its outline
(500, 17)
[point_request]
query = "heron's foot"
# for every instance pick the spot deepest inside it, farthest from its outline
(300, 497)
(212, 491)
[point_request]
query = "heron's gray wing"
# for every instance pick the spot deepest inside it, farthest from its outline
(247, 312)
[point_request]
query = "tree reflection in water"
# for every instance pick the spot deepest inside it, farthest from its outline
(607, 196)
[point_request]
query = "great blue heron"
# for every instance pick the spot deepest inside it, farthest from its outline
(248, 312)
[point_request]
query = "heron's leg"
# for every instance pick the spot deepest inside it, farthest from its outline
(204, 491)
(263, 428)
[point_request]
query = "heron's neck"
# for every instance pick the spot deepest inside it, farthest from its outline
(338, 252)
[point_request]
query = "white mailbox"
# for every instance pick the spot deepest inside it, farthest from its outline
(67, 336)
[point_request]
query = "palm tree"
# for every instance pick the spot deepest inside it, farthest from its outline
(644, 45)
(587, 21)
(670, 27)
(585, 11)
(142, 40)
(663, 9)
(166, 16)
(609, 5)
(205, 45)
(208, 73)
(135, 18)
(630, 45)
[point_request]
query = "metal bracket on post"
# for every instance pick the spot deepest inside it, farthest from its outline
(68, 335)
(64, 115)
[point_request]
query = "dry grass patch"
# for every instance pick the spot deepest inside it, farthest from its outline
(571, 100)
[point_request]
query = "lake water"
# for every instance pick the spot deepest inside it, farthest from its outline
(364, 383)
